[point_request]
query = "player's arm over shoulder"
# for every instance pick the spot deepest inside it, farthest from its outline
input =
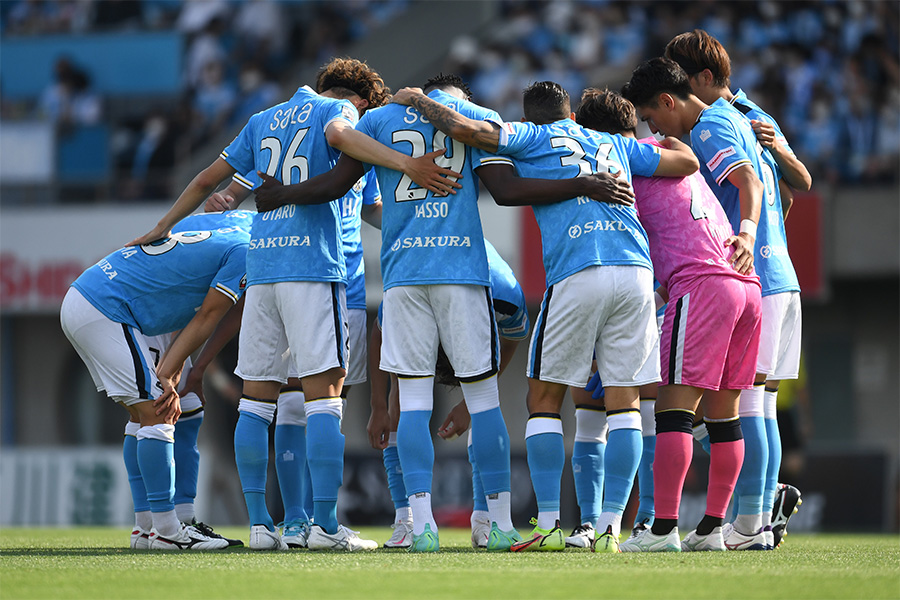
(676, 159)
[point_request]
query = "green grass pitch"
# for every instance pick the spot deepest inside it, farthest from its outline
(94, 563)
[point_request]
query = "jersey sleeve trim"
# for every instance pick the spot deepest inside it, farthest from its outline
(495, 160)
(338, 118)
(243, 181)
(225, 290)
(731, 169)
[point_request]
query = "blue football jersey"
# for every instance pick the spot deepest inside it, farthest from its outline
(579, 232)
(752, 111)
(365, 191)
(510, 309)
(723, 140)
(216, 220)
(426, 239)
(287, 141)
(158, 287)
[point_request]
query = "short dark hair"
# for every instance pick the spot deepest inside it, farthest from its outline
(697, 50)
(442, 82)
(546, 102)
(605, 110)
(654, 77)
(354, 76)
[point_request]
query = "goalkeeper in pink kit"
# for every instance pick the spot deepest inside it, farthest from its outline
(710, 334)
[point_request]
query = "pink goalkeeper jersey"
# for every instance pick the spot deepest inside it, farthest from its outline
(686, 226)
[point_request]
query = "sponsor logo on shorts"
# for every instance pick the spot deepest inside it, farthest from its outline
(437, 241)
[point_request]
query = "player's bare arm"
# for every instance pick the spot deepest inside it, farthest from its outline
(751, 191)
(787, 198)
(370, 151)
(478, 134)
(379, 426)
(792, 169)
(228, 199)
(197, 331)
(456, 423)
(227, 328)
(508, 189)
(193, 195)
(676, 159)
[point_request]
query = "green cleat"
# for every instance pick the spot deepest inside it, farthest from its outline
(427, 541)
(606, 543)
(541, 539)
(502, 541)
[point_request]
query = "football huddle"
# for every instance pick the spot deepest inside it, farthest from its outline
(671, 312)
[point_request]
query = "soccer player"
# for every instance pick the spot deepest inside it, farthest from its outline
(119, 315)
(710, 327)
(296, 277)
(742, 175)
(511, 315)
(709, 69)
(599, 297)
(425, 306)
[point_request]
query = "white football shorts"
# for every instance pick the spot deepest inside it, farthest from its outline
(460, 318)
(607, 310)
(309, 317)
(779, 339)
(122, 361)
(357, 368)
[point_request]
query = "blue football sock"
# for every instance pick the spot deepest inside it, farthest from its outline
(187, 459)
(646, 508)
(290, 465)
(308, 505)
(751, 482)
(157, 463)
(395, 477)
(416, 450)
(587, 470)
(325, 456)
(251, 454)
(135, 480)
(546, 459)
(623, 454)
(478, 498)
(490, 443)
(773, 435)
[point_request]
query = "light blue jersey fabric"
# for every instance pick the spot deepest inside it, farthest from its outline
(158, 287)
(579, 232)
(287, 142)
(723, 141)
(428, 240)
(509, 300)
(364, 192)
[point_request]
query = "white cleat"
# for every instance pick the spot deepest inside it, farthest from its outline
(294, 534)
(481, 530)
(735, 540)
(646, 541)
(582, 536)
(345, 540)
(402, 536)
(187, 538)
(693, 542)
(140, 539)
(263, 539)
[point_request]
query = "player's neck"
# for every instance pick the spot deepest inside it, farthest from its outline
(693, 107)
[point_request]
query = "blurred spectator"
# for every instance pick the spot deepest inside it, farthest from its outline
(117, 14)
(257, 92)
(262, 29)
(69, 100)
(214, 99)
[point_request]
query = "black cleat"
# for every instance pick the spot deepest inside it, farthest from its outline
(787, 503)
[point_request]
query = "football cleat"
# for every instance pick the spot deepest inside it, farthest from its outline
(713, 541)
(644, 525)
(647, 541)
(402, 536)
(481, 530)
(543, 540)
(187, 538)
(140, 539)
(263, 539)
(427, 541)
(344, 540)
(582, 536)
(735, 540)
(502, 541)
(787, 503)
(294, 533)
(207, 530)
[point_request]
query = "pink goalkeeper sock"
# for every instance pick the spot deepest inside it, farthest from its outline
(674, 450)
(725, 460)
